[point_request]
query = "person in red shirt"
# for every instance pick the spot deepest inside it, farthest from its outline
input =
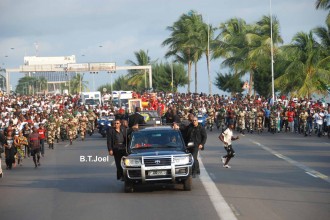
(35, 146)
(291, 115)
(42, 137)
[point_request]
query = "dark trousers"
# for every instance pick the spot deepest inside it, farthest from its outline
(42, 146)
(230, 152)
(35, 153)
(194, 153)
(118, 154)
(267, 123)
(10, 156)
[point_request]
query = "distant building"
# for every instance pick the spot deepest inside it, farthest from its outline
(54, 78)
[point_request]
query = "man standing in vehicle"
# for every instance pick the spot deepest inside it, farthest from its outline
(136, 118)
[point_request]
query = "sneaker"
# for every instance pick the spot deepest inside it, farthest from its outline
(226, 166)
(1, 175)
(223, 159)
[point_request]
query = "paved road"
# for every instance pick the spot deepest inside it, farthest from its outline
(281, 176)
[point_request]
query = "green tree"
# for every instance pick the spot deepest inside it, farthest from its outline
(308, 69)
(186, 40)
(162, 76)
(30, 85)
(121, 83)
(246, 48)
(138, 79)
(77, 84)
(229, 82)
(322, 4)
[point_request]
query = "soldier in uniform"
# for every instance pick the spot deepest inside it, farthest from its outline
(221, 117)
(303, 122)
(241, 115)
(273, 121)
(210, 117)
(51, 130)
(58, 121)
(91, 120)
(71, 129)
(251, 115)
(83, 125)
(260, 119)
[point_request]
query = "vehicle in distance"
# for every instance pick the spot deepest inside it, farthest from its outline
(157, 155)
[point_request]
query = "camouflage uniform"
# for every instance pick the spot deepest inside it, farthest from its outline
(51, 131)
(58, 128)
(273, 121)
(303, 121)
(221, 119)
(260, 117)
(71, 129)
(91, 120)
(76, 123)
(241, 120)
(210, 118)
(251, 115)
(83, 126)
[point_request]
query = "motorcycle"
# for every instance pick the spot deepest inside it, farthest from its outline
(103, 125)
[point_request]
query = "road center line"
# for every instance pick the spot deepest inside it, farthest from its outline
(220, 205)
(307, 170)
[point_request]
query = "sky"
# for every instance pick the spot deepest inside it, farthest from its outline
(112, 30)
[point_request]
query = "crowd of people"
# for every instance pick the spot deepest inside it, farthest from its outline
(29, 124)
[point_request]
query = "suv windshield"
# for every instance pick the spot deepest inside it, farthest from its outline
(156, 139)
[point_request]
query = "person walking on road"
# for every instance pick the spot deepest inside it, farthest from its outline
(227, 137)
(34, 140)
(116, 143)
(196, 134)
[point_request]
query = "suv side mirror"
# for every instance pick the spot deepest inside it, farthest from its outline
(190, 144)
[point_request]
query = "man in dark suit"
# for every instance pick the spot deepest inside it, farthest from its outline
(136, 118)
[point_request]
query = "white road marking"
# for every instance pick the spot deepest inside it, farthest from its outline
(67, 145)
(113, 163)
(307, 169)
(220, 205)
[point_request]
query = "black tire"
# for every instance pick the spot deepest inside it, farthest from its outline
(128, 187)
(187, 184)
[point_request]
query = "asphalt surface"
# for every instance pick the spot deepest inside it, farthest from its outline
(273, 176)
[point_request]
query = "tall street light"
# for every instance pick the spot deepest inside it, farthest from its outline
(271, 49)
(208, 58)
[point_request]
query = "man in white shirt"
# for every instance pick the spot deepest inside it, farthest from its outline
(227, 137)
(319, 116)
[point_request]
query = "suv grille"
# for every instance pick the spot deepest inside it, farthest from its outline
(157, 162)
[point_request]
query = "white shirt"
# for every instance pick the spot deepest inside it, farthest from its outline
(319, 118)
(227, 135)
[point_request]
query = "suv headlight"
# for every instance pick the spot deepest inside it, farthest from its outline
(182, 160)
(132, 162)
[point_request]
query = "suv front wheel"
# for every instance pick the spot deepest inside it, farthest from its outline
(129, 187)
(187, 184)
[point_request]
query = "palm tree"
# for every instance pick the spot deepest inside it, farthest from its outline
(308, 71)
(322, 4)
(25, 85)
(77, 84)
(162, 74)
(41, 84)
(245, 47)
(187, 41)
(231, 44)
(138, 78)
(324, 35)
